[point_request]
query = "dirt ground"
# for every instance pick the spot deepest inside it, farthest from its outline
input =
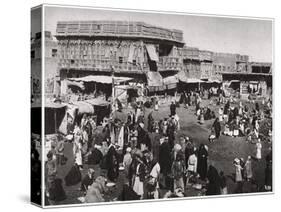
(221, 153)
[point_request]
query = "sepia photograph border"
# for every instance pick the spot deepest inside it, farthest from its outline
(43, 6)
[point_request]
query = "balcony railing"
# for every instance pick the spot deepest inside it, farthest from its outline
(117, 28)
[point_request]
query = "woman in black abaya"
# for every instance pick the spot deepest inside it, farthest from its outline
(202, 162)
(217, 127)
(213, 187)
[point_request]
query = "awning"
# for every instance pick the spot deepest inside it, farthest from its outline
(131, 54)
(182, 76)
(97, 102)
(214, 81)
(77, 84)
(152, 52)
(72, 110)
(49, 105)
(156, 88)
(194, 80)
(101, 79)
(84, 107)
(170, 80)
(171, 86)
(154, 78)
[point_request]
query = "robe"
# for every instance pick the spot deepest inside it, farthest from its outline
(112, 164)
(217, 128)
(213, 188)
(165, 158)
(202, 163)
(173, 109)
(150, 122)
(155, 145)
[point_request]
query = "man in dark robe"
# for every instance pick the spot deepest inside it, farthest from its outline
(235, 112)
(213, 187)
(257, 107)
(171, 133)
(173, 108)
(226, 107)
(165, 160)
(150, 122)
(143, 138)
(202, 162)
(112, 163)
(188, 99)
(128, 194)
(87, 180)
(207, 115)
(268, 171)
(231, 116)
(217, 127)
(94, 157)
(155, 145)
(131, 120)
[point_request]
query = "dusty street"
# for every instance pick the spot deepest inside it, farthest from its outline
(221, 153)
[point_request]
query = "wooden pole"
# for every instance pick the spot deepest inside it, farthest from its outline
(113, 91)
(55, 117)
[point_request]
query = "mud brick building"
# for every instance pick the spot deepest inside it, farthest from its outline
(150, 55)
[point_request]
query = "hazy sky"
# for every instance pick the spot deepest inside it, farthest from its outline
(234, 35)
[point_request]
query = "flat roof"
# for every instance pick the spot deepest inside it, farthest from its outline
(246, 73)
(125, 29)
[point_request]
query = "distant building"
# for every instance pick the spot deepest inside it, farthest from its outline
(52, 83)
(191, 61)
(206, 64)
(50, 66)
(36, 66)
(257, 84)
(259, 67)
(128, 48)
(226, 62)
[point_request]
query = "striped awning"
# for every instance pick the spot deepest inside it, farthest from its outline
(154, 78)
(152, 52)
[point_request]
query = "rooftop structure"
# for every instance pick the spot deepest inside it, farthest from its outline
(122, 29)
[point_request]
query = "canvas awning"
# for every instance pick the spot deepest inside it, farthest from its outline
(84, 107)
(194, 80)
(214, 81)
(51, 105)
(152, 52)
(77, 84)
(97, 102)
(234, 81)
(101, 79)
(154, 78)
(170, 80)
(157, 88)
(182, 76)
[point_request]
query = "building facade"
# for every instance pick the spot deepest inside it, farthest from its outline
(126, 48)
(131, 49)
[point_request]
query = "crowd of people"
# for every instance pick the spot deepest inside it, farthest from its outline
(154, 163)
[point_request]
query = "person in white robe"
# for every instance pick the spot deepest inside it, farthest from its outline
(258, 149)
(248, 169)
